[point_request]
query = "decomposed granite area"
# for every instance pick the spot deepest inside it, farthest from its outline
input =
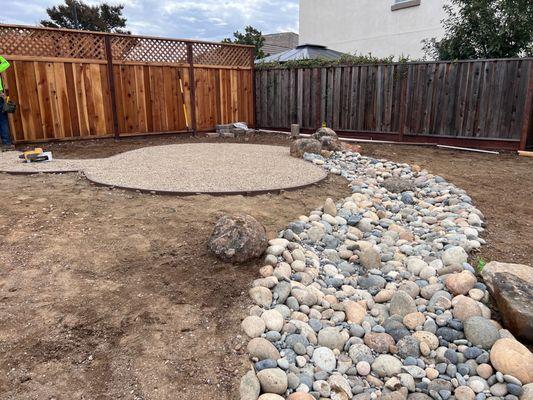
(212, 168)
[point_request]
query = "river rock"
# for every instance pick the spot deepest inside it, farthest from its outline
(386, 365)
(273, 380)
(454, 256)
(402, 304)
(355, 312)
(262, 349)
(510, 357)
(332, 338)
(253, 326)
(324, 358)
(249, 388)
(461, 283)
(465, 307)
(481, 332)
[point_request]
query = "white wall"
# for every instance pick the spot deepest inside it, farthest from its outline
(369, 26)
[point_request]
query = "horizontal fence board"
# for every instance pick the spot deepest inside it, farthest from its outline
(483, 99)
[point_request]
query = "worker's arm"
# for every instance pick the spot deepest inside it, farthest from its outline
(4, 64)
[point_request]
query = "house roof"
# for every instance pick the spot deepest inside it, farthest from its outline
(303, 52)
(280, 42)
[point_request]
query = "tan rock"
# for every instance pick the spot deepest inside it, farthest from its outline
(511, 357)
(329, 207)
(428, 338)
(464, 393)
(262, 349)
(261, 296)
(379, 342)
(465, 307)
(413, 320)
(253, 326)
(461, 283)
(300, 396)
(355, 313)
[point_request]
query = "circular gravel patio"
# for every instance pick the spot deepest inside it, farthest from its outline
(209, 168)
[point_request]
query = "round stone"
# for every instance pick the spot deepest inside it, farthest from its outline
(481, 332)
(261, 296)
(379, 342)
(386, 365)
(253, 326)
(300, 396)
(333, 338)
(273, 320)
(454, 256)
(363, 368)
(273, 380)
(324, 358)
(484, 371)
(464, 393)
(465, 307)
(355, 312)
(262, 349)
(359, 352)
(413, 320)
(510, 357)
(461, 283)
(402, 304)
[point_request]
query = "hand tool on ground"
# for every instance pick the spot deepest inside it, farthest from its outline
(36, 155)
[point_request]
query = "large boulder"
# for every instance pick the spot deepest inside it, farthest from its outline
(323, 132)
(238, 238)
(331, 144)
(301, 146)
(511, 285)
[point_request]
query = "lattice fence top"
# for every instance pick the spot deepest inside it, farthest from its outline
(125, 48)
(22, 41)
(56, 43)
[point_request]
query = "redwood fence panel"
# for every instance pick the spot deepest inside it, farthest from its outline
(72, 84)
(485, 103)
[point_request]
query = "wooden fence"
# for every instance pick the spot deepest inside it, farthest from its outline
(484, 103)
(73, 84)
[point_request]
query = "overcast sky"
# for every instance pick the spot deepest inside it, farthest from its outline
(201, 19)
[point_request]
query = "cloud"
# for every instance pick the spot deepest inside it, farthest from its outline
(201, 19)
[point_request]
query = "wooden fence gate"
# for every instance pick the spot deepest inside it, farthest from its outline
(73, 84)
(486, 103)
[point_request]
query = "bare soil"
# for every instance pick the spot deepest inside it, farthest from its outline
(110, 294)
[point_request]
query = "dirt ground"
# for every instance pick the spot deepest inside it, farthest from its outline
(108, 294)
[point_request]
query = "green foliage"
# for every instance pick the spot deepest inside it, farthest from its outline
(252, 37)
(75, 14)
(485, 29)
(347, 59)
(481, 264)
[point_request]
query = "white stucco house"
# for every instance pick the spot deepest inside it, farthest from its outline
(380, 27)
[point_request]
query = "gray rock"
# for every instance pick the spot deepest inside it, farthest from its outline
(249, 388)
(481, 332)
(402, 304)
(238, 238)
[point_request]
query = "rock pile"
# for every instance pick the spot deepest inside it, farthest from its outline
(373, 297)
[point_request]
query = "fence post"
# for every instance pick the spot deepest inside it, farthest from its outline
(111, 79)
(403, 101)
(192, 86)
(528, 109)
(252, 65)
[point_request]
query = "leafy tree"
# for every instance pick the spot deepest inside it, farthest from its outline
(251, 36)
(485, 29)
(75, 14)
